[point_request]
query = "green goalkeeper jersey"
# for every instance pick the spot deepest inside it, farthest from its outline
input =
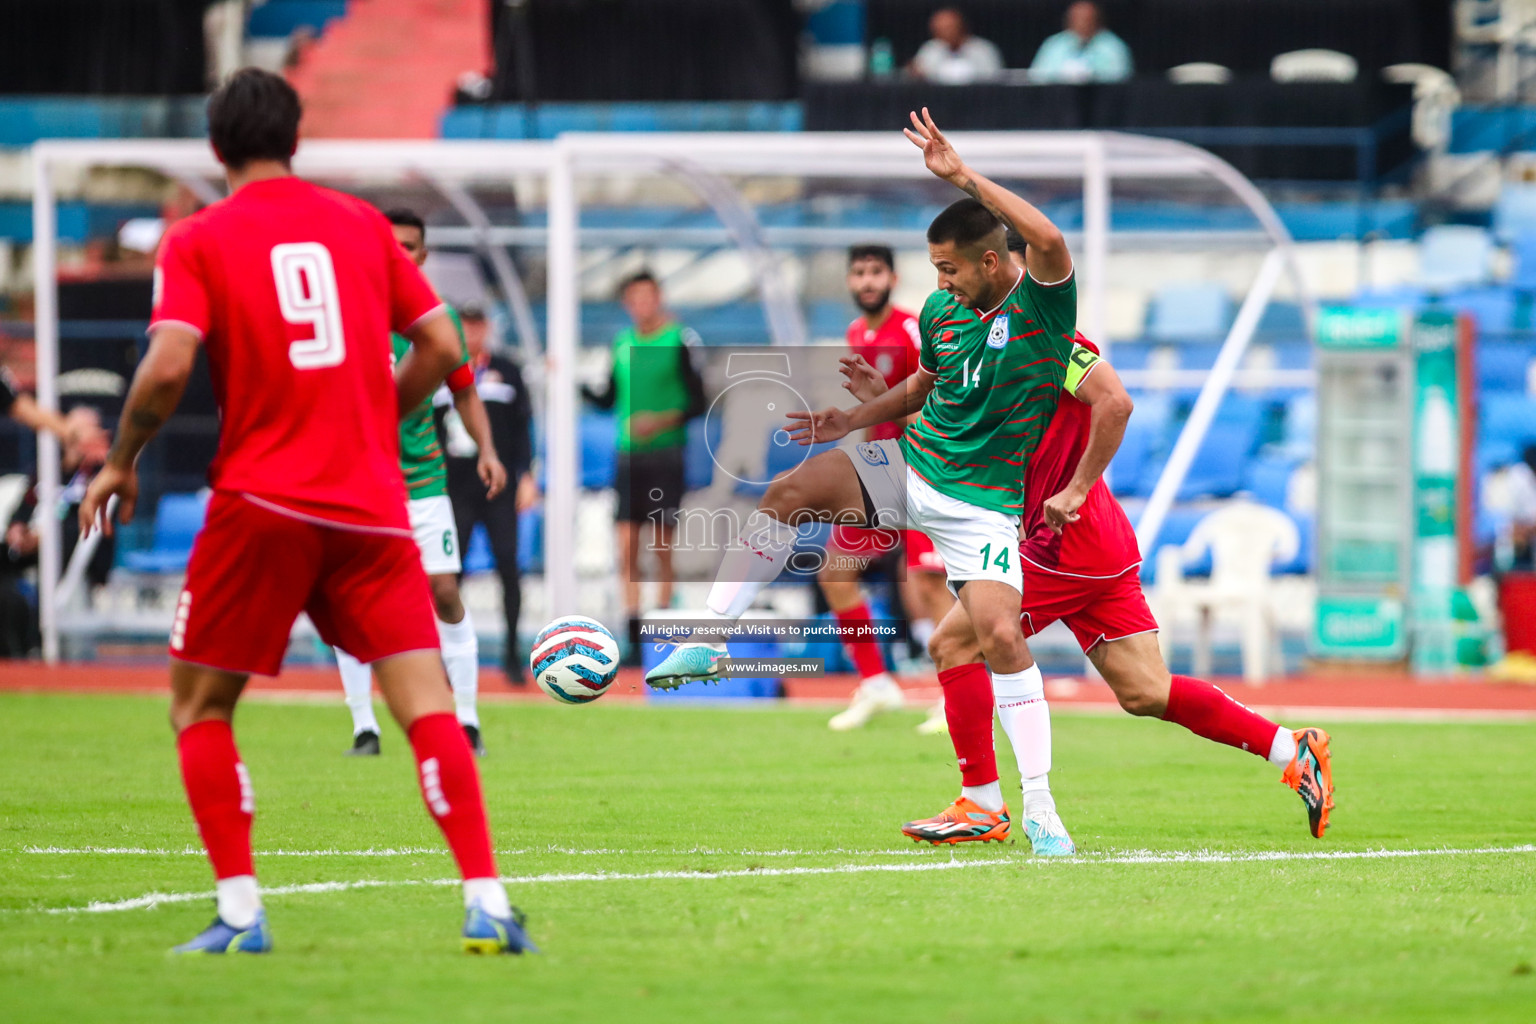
(421, 457)
(999, 378)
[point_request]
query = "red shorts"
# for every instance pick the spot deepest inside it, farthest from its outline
(863, 540)
(253, 570)
(1093, 609)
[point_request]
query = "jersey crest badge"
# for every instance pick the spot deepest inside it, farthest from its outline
(873, 454)
(998, 336)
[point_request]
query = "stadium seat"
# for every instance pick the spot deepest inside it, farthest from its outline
(178, 517)
(1189, 312)
(1282, 321)
(1504, 366)
(1508, 418)
(1523, 273)
(1492, 309)
(1514, 214)
(477, 556)
(1453, 256)
(1269, 478)
(1299, 432)
(1217, 469)
(599, 450)
(1129, 471)
(1178, 524)
(530, 539)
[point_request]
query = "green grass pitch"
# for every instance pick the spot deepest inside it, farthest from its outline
(748, 811)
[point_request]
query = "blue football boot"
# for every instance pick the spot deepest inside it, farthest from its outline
(1047, 835)
(486, 934)
(222, 938)
(688, 663)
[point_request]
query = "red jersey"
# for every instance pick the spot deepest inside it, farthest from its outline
(1102, 542)
(892, 349)
(294, 290)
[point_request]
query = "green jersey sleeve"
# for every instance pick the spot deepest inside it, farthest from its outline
(458, 327)
(1055, 307)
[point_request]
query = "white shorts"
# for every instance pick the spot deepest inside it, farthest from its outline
(436, 534)
(976, 543)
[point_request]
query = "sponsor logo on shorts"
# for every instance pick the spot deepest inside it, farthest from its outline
(874, 454)
(998, 336)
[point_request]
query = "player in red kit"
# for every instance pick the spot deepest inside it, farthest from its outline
(293, 290)
(888, 339)
(1080, 562)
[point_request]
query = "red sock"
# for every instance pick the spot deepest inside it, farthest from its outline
(450, 784)
(1205, 710)
(219, 790)
(968, 710)
(864, 651)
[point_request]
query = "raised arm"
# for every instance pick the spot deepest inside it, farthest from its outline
(1047, 257)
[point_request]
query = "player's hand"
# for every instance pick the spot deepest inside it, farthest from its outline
(938, 154)
(112, 480)
(527, 492)
(815, 427)
(492, 473)
(863, 381)
(1061, 509)
(645, 425)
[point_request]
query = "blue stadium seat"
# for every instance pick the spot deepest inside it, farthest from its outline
(1177, 526)
(1269, 478)
(530, 540)
(599, 450)
(1514, 213)
(1299, 429)
(1129, 474)
(1523, 275)
(1508, 418)
(698, 464)
(1217, 469)
(178, 517)
(1492, 455)
(1306, 551)
(478, 557)
(1189, 312)
(1282, 321)
(1493, 309)
(1454, 256)
(1504, 366)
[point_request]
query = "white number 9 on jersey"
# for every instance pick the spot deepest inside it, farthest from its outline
(307, 294)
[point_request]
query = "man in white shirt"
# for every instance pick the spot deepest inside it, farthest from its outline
(953, 56)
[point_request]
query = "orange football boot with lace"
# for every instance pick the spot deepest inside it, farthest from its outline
(1310, 774)
(961, 822)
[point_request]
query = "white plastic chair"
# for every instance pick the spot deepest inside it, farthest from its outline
(1200, 72)
(1314, 65)
(1453, 256)
(1246, 540)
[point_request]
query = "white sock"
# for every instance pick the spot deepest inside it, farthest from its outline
(1037, 795)
(1026, 718)
(461, 657)
(488, 894)
(357, 684)
(988, 797)
(922, 631)
(749, 565)
(1283, 750)
(238, 900)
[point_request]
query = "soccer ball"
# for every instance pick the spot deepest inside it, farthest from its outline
(575, 659)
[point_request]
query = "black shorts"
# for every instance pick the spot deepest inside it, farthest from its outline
(650, 485)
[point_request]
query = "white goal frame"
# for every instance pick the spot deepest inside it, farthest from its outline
(704, 161)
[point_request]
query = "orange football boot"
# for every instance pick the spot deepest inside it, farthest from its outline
(1310, 774)
(961, 822)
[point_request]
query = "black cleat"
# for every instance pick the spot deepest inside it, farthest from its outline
(365, 744)
(472, 734)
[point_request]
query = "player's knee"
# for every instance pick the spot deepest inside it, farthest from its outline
(446, 601)
(785, 496)
(1141, 693)
(950, 651)
(1001, 639)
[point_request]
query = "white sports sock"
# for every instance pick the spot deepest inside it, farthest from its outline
(357, 684)
(1282, 751)
(488, 894)
(238, 900)
(988, 797)
(922, 631)
(461, 657)
(749, 565)
(1037, 795)
(1026, 718)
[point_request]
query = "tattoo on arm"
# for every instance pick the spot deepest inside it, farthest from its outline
(973, 190)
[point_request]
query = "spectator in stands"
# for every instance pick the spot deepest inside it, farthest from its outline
(657, 390)
(953, 56)
(23, 408)
(1085, 51)
(501, 388)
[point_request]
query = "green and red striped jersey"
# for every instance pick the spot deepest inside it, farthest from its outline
(1000, 373)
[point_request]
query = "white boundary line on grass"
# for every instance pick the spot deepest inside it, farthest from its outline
(155, 899)
(417, 851)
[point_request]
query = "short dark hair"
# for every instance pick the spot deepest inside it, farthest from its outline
(253, 116)
(643, 276)
(872, 251)
(401, 217)
(966, 223)
(1016, 243)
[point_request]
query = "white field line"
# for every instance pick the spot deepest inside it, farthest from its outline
(417, 851)
(156, 899)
